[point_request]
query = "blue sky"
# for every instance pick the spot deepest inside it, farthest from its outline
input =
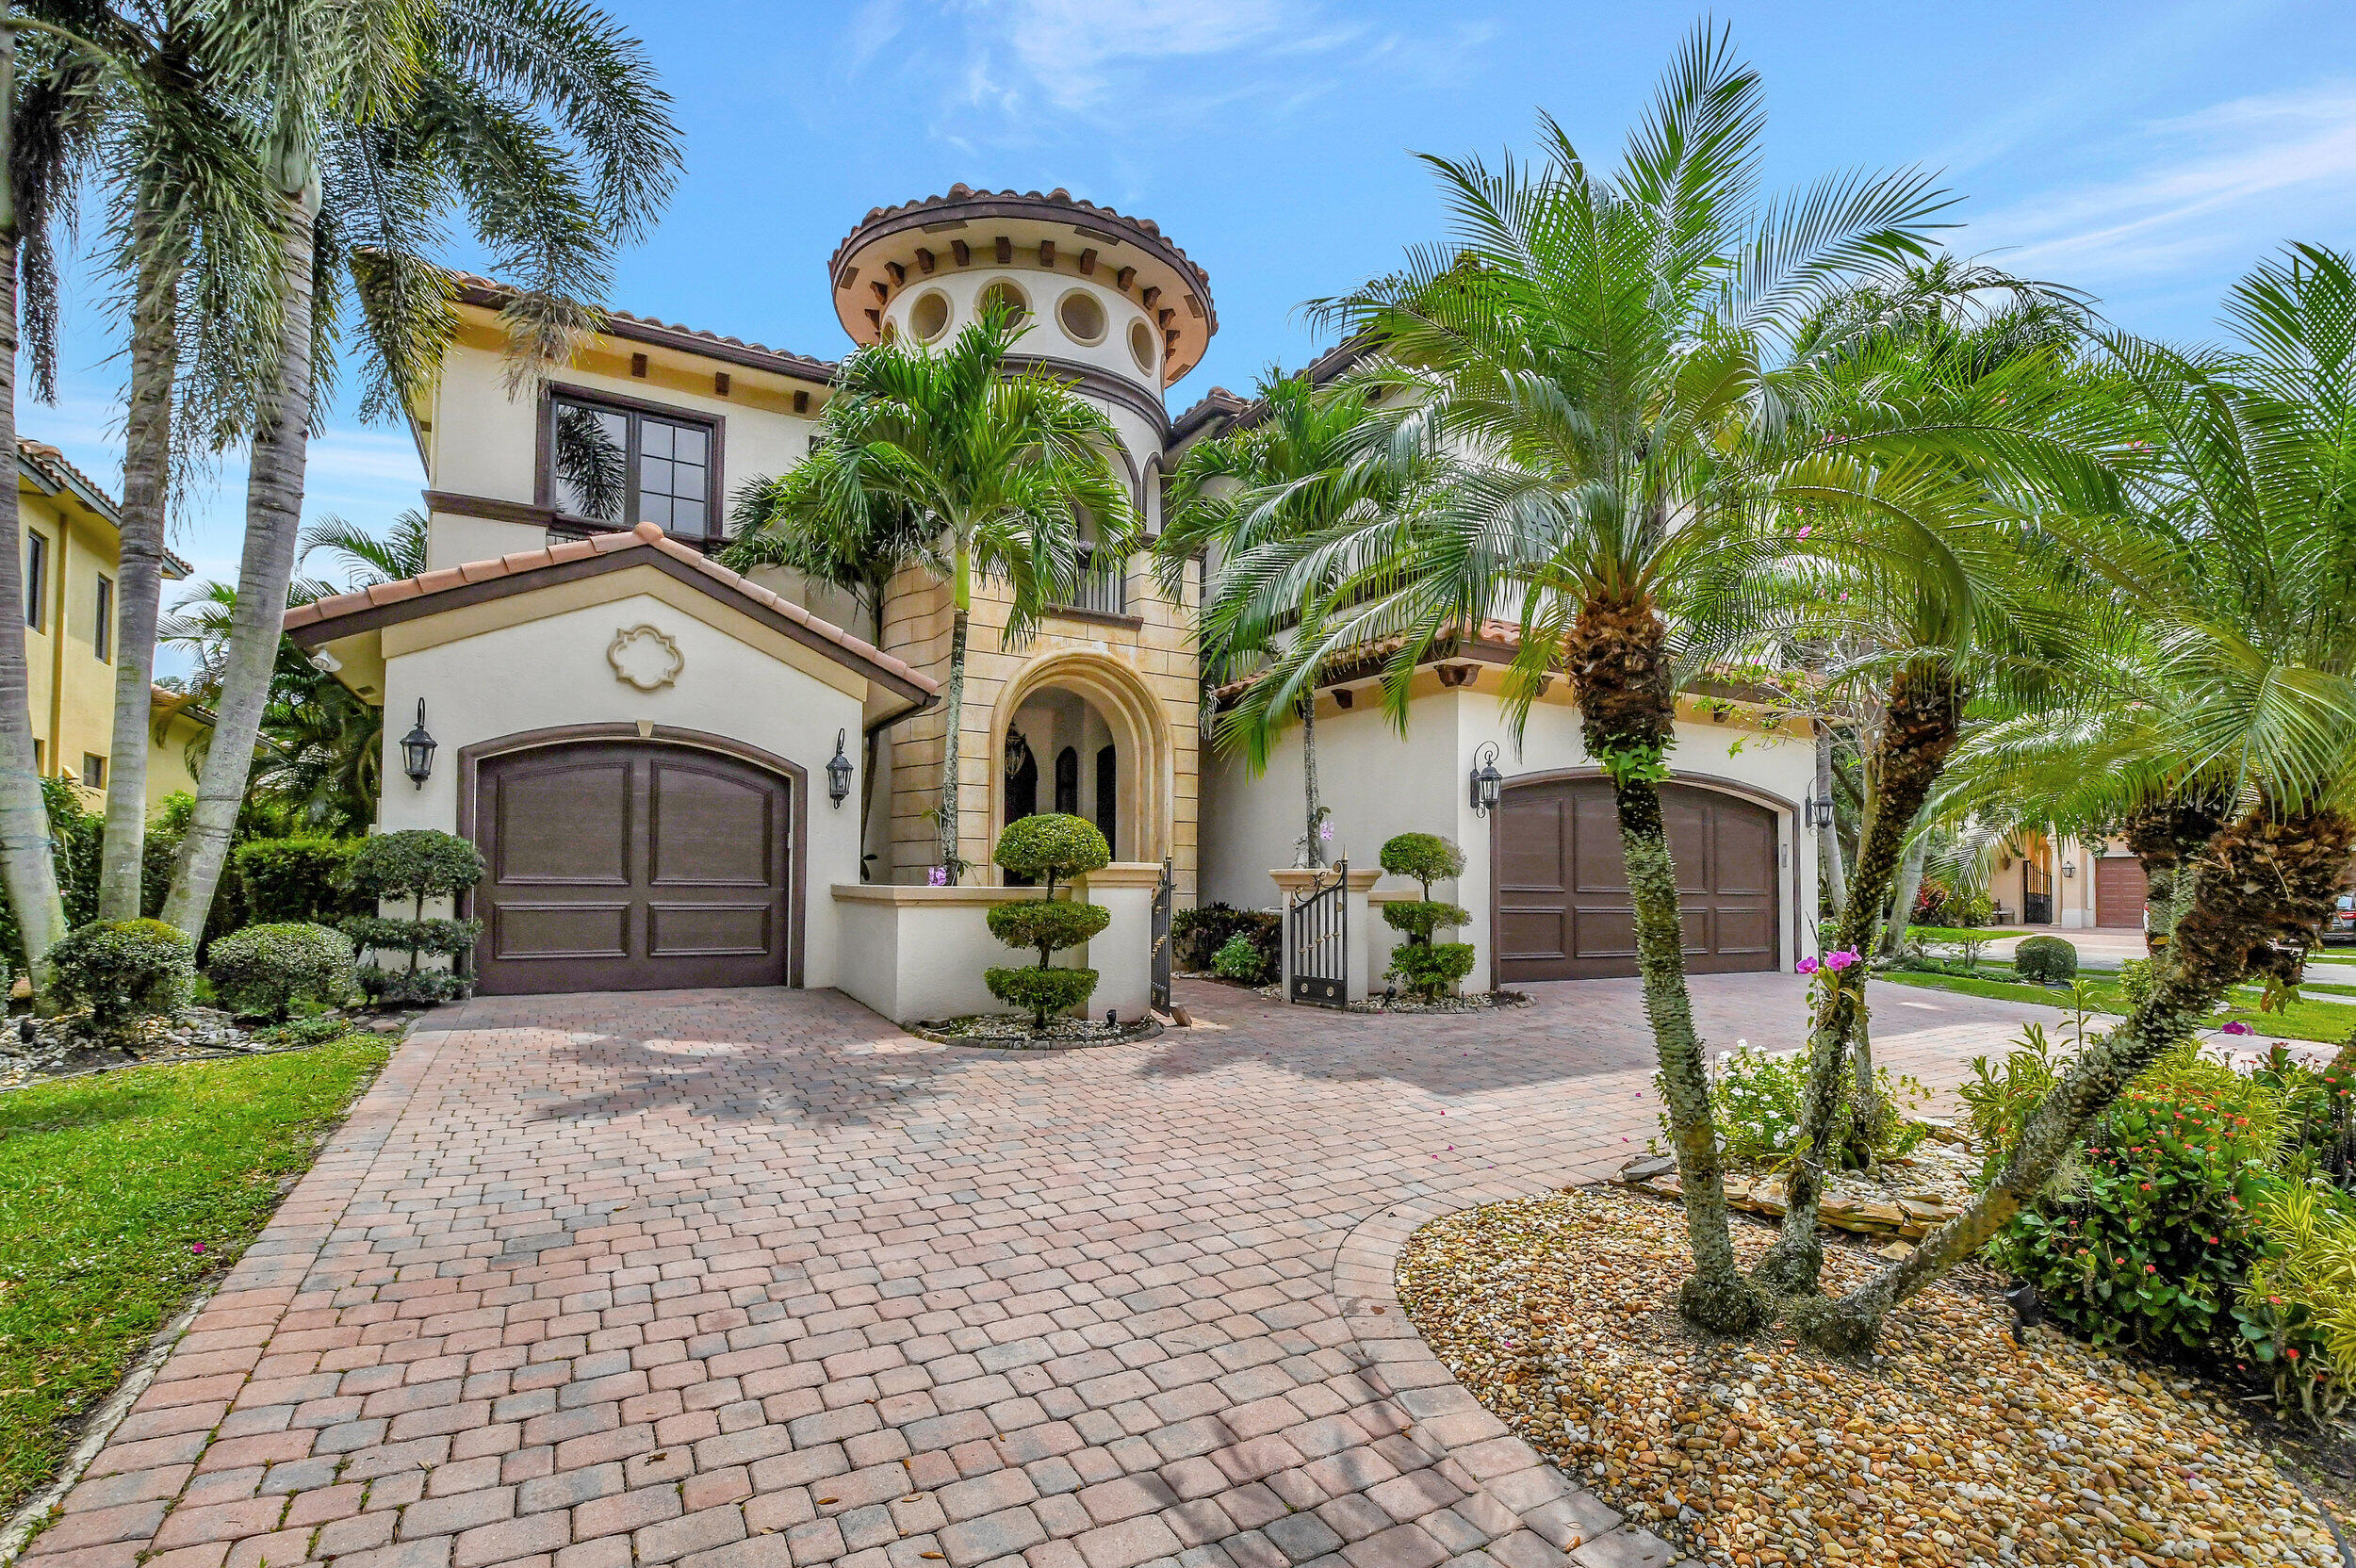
(2147, 152)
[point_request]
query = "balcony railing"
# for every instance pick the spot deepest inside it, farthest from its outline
(1103, 585)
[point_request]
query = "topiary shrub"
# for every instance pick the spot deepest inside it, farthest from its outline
(124, 971)
(2048, 960)
(296, 879)
(418, 864)
(1240, 958)
(1198, 936)
(1428, 970)
(262, 971)
(1047, 849)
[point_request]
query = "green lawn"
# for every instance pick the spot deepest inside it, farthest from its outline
(110, 1186)
(1959, 934)
(2308, 1019)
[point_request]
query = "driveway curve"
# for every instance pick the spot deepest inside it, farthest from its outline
(752, 1279)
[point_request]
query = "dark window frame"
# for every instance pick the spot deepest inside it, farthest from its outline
(635, 410)
(36, 580)
(93, 771)
(103, 635)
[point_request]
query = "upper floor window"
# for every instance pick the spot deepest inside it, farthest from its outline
(36, 580)
(102, 638)
(621, 463)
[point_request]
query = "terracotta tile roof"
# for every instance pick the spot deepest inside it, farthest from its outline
(1242, 411)
(959, 193)
(52, 463)
(1490, 636)
(645, 536)
(490, 292)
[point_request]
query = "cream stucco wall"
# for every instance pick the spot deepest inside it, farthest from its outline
(1378, 782)
(552, 672)
(1045, 334)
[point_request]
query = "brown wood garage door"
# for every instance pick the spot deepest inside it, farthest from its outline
(1563, 909)
(614, 866)
(2120, 890)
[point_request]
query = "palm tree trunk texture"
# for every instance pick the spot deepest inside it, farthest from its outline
(273, 524)
(2265, 885)
(1828, 838)
(26, 865)
(952, 712)
(1309, 775)
(1923, 717)
(1903, 896)
(2166, 835)
(1617, 658)
(139, 582)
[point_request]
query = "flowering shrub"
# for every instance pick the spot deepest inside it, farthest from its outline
(1756, 1097)
(1240, 958)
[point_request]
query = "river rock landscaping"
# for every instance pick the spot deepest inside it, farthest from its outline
(1956, 1446)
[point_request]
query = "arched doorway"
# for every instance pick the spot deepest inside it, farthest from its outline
(1094, 742)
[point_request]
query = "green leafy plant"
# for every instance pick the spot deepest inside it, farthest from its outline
(1430, 971)
(1201, 934)
(2135, 983)
(296, 879)
(1050, 849)
(2297, 1312)
(125, 969)
(417, 864)
(263, 970)
(1239, 957)
(2048, 960)
(1755, 1098)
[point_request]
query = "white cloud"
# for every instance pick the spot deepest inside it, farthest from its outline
(2194, 189)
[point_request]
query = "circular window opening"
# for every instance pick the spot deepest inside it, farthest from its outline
(929, 317)
(1003, 293)
(891, 330)
(1082, 316)
(1141, 345)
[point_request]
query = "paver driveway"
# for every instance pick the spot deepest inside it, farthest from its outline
(735, 1279)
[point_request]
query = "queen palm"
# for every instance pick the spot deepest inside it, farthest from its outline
(2237, 546)
(995, 470)
(542, 123)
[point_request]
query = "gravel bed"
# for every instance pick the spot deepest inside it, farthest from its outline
(1013, 1031)
(1479, 1002)
(1955, 1449)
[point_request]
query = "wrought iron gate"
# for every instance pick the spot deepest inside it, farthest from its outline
(2036, 895)
(1317, 938)
(1164, 897)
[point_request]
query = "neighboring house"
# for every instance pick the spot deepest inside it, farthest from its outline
(2070, 884)
(639, 740)
(73, 548)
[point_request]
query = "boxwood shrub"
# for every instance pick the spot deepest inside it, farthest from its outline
(2046, 959)
(262, 971)
(1050, 849)
(125, 969)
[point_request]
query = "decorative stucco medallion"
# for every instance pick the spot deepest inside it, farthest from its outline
(644, 657)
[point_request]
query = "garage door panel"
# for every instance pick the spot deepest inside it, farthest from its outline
(709, 829)
(708, 930)
(560, 825)
(2121, 889)
(1728, 881)
(526, 931)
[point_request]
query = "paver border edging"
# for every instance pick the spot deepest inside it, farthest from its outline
(1388, 1345)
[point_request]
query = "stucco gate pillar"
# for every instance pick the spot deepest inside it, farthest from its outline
(1122, 953)
(1358, 933)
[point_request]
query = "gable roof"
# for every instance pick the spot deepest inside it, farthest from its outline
(50, 470)
(382, 604)
(491, 294)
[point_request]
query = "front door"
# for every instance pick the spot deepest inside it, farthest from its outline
(616, 865)
(1562, 905)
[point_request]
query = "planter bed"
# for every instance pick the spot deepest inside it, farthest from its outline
(1013, 1031)
(1955, 1448)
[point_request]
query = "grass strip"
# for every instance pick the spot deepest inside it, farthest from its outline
(2330, 1022)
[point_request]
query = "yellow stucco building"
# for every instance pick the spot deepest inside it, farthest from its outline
(73, 548)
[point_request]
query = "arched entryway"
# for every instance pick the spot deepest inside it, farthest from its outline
(1078, 732)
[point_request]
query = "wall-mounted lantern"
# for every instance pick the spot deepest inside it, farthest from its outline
(1487, 783)
(1819, 812)
(417, 750)
(839, 771)
(2069, 867)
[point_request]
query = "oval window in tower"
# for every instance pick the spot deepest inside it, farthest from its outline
(929, 317)
(1141, 345)
(1082, 317)
(1007, 294)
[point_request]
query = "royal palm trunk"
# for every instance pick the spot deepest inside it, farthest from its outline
(1828, 837)
(273, 520)
(26, 865)
(2257, 897)
(139, 583)
(1309, 775)
(1618, 663)
(952, 716)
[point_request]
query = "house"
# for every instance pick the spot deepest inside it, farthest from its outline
(641, 740)
(73, 547)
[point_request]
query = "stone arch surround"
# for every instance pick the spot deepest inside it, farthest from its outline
(1140, 730)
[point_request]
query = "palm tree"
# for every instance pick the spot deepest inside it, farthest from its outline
(543, 124)
(1602, 363)
(1290, 471)
(367, 556)
(2238, 545)
(997, 470)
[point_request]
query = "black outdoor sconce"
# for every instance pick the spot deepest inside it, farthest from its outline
(417, 750)
(1819, 812)
(1487, 783)
(839, 771)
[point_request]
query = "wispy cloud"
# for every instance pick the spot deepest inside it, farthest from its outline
(2192, 190)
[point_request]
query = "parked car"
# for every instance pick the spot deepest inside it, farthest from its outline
(2340, 924)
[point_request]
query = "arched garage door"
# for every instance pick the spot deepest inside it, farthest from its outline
(1563, 909)
(622, 866)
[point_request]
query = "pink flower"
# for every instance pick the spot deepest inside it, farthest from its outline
(1838, 961)
(1806, 966)
(1806, 530)
(938, 876)
(2238, 1027)
(196, 1246)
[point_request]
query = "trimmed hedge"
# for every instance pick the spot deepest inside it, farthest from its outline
(1418, 917)
(1426, 856)
(1047, 925)
(291, 880)
(2048, 959)
(1050, 848)
(1432, 970)
(1053, 847)
(1045, 991)
(263, 970)
(125, 969)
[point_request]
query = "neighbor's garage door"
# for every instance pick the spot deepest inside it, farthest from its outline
(2120, 890)
(1563, 910)
(614, 866)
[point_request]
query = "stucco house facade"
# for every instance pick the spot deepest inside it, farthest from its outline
(639, 739)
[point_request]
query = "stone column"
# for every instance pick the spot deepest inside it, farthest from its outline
(1359, 926)
(1122, 953)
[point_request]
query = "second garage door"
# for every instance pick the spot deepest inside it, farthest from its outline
(2120, 890)
(620, 866)
(1563, 909)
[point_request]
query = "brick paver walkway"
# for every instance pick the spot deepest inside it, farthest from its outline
(743, 1280)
